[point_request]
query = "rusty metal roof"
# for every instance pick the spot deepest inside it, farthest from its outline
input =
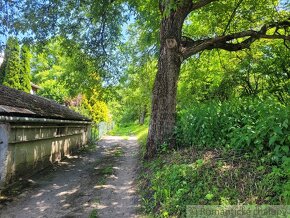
(18, 103)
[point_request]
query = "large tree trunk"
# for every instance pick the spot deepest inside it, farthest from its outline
(163, 113)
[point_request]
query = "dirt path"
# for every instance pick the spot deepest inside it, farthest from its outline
(98, 183)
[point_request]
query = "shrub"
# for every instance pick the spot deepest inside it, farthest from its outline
(254, 125)
(238, 154)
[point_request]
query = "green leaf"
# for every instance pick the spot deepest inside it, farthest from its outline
(285, 123)
(285, 148)
(272, 140)
(209, 196)
(278, 130)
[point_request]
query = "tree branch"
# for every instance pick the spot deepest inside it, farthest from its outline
(190, 47)
(232, 16)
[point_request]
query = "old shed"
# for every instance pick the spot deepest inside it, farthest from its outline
(35, 132)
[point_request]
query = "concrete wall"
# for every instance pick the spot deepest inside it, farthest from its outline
(4, 130)
(31, 147)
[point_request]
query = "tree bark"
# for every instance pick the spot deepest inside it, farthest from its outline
(163, 113)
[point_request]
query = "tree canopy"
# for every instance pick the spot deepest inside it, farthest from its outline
(177, 33)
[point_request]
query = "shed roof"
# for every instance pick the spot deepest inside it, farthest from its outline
(18, 103)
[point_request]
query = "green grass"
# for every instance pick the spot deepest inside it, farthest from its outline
(118, 152)
(133, 129)
(94, 214)
(142, 135)
(108, 170)
(207, 177)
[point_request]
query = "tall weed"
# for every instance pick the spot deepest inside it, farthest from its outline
(254, 125)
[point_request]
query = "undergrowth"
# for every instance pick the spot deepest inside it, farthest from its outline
(208, 177)
(235, 152)
(230, 153)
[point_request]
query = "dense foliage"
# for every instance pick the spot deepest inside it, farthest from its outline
(12, 64)
(68, 76)
(230, 152)
(25, 71)
(15, 69)
(253, 125)
(232, 134)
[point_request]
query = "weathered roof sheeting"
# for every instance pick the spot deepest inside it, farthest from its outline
(18, 103)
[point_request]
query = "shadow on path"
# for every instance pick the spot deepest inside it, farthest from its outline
(99, 181)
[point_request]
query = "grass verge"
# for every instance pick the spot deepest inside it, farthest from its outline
(207, 177)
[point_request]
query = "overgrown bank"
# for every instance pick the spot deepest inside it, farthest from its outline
(235, 152)
(209, 177)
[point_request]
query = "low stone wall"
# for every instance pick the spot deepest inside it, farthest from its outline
(27, 148)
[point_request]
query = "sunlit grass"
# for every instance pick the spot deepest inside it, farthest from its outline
(142, 135)
(140, 131)
(133, 129)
